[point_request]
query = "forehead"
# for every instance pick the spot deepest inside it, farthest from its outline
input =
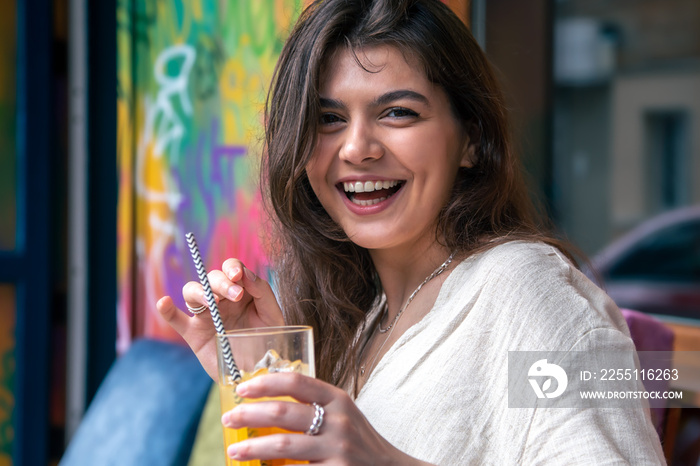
(374, 63)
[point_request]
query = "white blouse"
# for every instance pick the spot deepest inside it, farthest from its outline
(440, 392)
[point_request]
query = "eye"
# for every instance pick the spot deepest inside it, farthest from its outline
(329, 119)
(401, 112)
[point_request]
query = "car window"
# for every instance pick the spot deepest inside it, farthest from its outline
(671, 254)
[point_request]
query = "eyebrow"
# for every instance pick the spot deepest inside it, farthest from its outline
(400, 94)
(331, 103)
(381, 100)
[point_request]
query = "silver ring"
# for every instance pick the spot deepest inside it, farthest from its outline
(196, 310)
(318, 419)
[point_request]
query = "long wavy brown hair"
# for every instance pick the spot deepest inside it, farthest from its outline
(322, 278)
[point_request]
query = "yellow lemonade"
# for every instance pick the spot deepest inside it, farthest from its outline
(229, 400)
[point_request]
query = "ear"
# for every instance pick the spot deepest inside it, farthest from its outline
(468, 154)
(469, 147)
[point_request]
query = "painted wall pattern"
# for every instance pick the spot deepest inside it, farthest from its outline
(192, 80)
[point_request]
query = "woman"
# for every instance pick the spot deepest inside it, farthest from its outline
(404, 235)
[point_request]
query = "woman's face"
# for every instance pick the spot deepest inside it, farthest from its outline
(388, 149)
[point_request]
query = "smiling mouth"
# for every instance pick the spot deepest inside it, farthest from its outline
(367, 193)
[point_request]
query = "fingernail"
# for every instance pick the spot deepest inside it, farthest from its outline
(234, 291)
(232, 450)
(249, 273)
(242, 389)
(232, 272)
(226, 420)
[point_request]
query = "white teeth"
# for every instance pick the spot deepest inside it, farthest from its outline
(367, 186)
(370, 202)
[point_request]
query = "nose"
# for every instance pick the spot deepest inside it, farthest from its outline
(360, 144)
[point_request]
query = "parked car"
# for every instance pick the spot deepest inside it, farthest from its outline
(655, 268)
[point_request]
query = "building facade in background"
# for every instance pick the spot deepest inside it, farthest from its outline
(626, 132)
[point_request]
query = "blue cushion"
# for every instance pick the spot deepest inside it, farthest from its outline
(145, 412)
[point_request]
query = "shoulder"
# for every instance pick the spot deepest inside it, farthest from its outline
(531, 295)
(518, 267)
(515, 256)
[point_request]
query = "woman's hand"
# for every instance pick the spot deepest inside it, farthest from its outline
(344, 438)
(244, 301)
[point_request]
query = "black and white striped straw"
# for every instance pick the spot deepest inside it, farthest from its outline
(213, 308)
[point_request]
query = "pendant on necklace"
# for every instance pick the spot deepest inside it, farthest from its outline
(362, 370)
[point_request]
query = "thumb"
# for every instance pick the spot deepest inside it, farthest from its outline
(265, 299)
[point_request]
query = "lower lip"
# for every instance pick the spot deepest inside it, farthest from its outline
(369, 209)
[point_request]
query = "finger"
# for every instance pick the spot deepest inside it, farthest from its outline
(264, 297)
(277, 446)
(259, 289)
(221, 285)
(233, 268)
(295, 417)
(177, 319)
(239, 273)
(300, 387)
(194, 294)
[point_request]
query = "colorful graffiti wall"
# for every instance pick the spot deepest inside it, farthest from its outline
(192, 80)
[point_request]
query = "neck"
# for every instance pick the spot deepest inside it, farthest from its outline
(401, 273)
(432, 278)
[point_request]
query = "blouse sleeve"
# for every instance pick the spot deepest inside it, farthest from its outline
(594, 435)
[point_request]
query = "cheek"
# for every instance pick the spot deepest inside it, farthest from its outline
(316, 175)
(319, 167)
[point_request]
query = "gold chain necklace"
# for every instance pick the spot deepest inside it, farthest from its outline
(435, 273)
